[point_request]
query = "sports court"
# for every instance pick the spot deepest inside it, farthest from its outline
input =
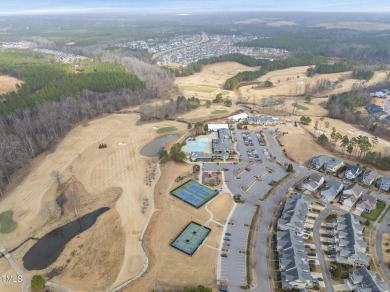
(191, 238)
(194, 193)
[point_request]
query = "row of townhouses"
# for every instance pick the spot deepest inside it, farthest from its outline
(350, 245)
(293, 262)
(364, 280)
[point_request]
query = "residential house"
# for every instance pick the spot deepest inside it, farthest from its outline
(350, 195)
(372, 108)
(367, 204)
(295, 271)
(364, 280)
(294, 213)
(334, 164)
(350, 245)
(385, 183)
(313, 182)
(369, 176)
(331, 190)
(353, 171)
(319, 162)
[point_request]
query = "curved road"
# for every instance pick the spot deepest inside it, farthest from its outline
(382, 228)
(321, 257)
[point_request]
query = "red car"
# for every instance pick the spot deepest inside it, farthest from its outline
(225, 169)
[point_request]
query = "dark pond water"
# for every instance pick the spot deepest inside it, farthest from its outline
(154, 148)
(46, 250)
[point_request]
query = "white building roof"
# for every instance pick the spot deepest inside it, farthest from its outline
(215, 127)
(238, 116)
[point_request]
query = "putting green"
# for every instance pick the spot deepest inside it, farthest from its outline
(7, 224)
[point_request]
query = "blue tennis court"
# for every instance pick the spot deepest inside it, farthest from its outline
(191, 238)
(194, 193)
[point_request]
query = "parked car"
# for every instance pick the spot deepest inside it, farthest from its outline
(224, 255)
(225, 169)
(307, 246)
(311, 261)
(227, 239)
(312, 254)
(331, 256)
(228, 234)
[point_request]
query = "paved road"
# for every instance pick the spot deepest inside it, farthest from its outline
(382, 228)
(26, 280)
(320, 254)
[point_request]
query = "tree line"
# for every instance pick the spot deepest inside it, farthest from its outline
(327, 68)
(46, 81)
(235, 57)
(292, 61)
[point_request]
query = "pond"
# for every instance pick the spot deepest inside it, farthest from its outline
(47, 249)
(154, 148)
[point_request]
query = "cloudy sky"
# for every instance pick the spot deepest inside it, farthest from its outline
(185, 6)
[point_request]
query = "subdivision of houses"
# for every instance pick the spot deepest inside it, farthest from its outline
(331, 190)
(385, 183)
(366, 204)
(294, 213)
(313, 182)
(293, 264)
(364, 280)
(319, 162)
(350, 245)
(334, 164)
(353, 171)
(369, 176)
(350, 195)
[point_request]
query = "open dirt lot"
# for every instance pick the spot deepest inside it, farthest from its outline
(169, 268)
(120, 165)
(364, 26)
(8, 83)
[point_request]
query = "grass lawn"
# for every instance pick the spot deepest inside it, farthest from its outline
(380, 206)
(299, 106)
(219, 112)
(166, 130)
(202, 89)
(7, 224)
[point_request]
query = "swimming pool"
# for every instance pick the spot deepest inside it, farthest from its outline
(197, 146)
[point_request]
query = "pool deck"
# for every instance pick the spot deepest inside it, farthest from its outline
(208, 143)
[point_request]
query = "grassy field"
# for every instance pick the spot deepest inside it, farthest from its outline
(219, 112)
(7, 224)
(202, 89)
(299, 106)
(166, 130)
(380, 206)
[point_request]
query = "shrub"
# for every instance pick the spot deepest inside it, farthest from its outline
(37, 282)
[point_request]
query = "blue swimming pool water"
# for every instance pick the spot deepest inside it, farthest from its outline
(197, 146)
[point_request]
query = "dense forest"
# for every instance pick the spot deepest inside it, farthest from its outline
(293, 61)
(46, 81)
(29, 130)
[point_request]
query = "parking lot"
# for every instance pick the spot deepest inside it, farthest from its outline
(252, 177)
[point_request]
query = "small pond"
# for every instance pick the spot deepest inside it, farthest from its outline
(154, 148)
(47, 249)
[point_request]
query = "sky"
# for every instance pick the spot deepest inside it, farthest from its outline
(188, 6)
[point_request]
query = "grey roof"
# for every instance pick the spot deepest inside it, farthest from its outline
(350, 245)
(385, 181)
(292, 260)
(370, 174)
(354, 190)
(331, 190)
(319, 161)
(334, 162)
(224, 143)
(315, 177)
(353, 170)
(294, 213)
(263, 120)
(368, 202)
(364, 280)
